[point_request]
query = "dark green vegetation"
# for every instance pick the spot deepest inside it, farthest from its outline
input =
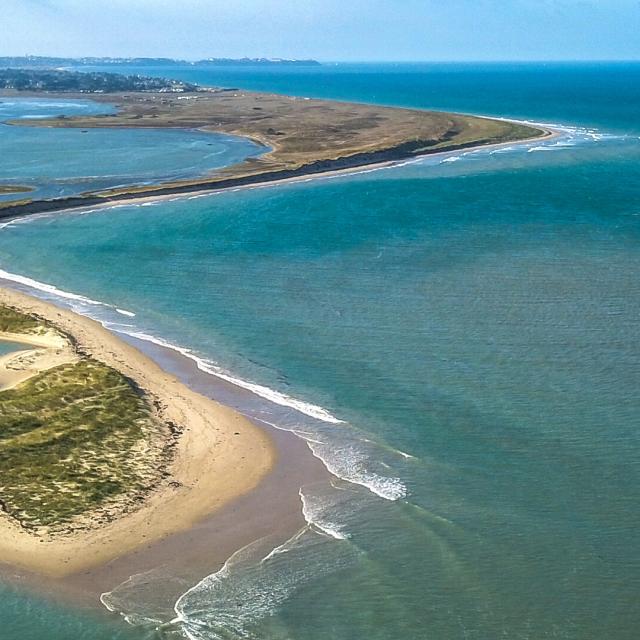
(73, 81)
(14, 322)
(72, 440)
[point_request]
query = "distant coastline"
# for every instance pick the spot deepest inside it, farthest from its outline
(305, 137)
(48, 61)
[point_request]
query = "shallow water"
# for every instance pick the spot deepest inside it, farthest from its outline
(10, 347)
(472, 320)
(63, 162)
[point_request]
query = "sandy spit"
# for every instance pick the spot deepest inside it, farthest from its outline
(220, 457)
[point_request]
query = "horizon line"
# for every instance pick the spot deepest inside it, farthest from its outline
(335, 61)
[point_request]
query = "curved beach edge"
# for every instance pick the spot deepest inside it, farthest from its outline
(220, 457)
(355, 163)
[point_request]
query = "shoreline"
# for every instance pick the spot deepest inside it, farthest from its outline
(270, 513)
(220, 457)
(304, 137)
(210, 186)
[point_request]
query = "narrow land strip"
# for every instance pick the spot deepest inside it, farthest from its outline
(305, 137)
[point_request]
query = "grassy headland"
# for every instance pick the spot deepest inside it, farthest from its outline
(75, 440)
(101, 451)
(304, 136)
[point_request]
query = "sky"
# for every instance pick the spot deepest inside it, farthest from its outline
(327, 30)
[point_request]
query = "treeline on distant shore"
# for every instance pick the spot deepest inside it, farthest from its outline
(45, 61)
(87, 82)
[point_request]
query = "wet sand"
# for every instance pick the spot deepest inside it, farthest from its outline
(270, 511)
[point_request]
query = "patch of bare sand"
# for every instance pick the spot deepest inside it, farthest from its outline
(43, 351)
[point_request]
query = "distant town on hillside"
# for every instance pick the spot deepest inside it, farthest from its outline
(87, 82)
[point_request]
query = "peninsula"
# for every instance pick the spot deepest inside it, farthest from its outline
(101, 451)
(303, 136)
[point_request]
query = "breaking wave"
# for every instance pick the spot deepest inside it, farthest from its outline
(345, 452)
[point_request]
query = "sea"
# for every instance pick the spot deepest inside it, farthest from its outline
(54, 162)
(457, 339)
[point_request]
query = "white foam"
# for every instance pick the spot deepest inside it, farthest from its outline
(314, 518)
(48, 288)
(350, 464)
(501, 150)
(267, 393)
(345, 460)
(272, 395)
(231, 602)
(223, 572)
(282, 548)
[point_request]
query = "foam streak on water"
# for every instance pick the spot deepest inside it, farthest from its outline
(251, 585)
(207, 366)
(272, 395)
(345, 452)
(246, 593)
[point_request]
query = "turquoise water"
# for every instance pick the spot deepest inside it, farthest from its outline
(10, 347)
(63, 162)
(473, 320)
(589, 93)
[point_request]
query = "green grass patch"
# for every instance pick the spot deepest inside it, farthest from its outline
(72, 440)
(13, 321)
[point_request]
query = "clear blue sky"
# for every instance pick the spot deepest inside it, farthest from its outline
(325, 29)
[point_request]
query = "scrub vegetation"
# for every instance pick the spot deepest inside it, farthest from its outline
(77, 439)
(12, 321)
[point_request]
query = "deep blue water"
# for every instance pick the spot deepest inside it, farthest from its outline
(587, 93)
(474, 320)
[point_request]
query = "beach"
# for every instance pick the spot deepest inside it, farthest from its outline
(220, 456)
(199, 188)
(443, 355)
(302, 138)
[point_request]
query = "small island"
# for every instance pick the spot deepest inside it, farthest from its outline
(302, 136)
(13, 188)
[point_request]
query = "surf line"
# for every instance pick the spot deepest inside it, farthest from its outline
(68, 298)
